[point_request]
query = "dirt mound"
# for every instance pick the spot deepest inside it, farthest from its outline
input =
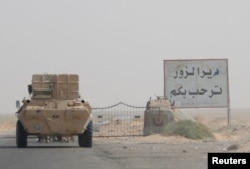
(7, 126)
(7, 122)
(188, 129)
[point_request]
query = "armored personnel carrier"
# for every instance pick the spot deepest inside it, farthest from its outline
(157, 115)
(54, 111)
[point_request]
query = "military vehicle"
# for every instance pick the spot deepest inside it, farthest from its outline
(157, 115)
(54, 112)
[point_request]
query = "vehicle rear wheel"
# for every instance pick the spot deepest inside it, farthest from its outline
(85, 139)
(21, 135)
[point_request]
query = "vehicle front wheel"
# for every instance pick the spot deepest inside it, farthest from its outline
(21, 135)
(85, 139)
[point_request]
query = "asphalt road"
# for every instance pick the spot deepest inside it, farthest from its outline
(49, 156)
(119, 153)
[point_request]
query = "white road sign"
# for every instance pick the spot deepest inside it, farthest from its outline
(197, 83)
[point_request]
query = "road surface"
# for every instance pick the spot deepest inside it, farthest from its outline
(113, 153)
(48, 156)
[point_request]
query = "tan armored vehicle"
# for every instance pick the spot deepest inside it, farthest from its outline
(54, 111)
(157, 115)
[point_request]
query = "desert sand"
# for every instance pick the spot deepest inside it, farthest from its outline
(237, 132)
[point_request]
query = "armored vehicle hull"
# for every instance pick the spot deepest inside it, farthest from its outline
(54, 112)
(157, 115)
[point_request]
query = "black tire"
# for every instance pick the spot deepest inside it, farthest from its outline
(21, 135)
(85, 139)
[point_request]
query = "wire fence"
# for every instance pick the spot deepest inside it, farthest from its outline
(118, 120)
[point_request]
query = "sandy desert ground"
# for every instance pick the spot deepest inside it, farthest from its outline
(7, 122)
(157, 151)
(238, 132)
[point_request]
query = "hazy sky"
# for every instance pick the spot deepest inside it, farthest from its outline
(118, 46)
